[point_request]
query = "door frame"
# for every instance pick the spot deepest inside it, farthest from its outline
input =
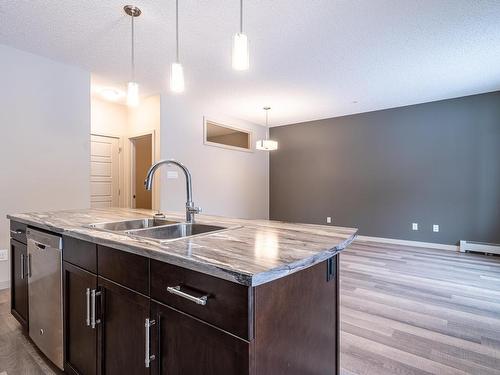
(121, 174)
(155, 199)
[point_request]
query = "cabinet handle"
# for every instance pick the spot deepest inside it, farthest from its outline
(22, 266)
(93, 321)
(87, 313)
(41, 246)
(16, 232)
(149, 357)
(177, 291)
(28, 264)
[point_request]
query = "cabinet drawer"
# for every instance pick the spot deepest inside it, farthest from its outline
(124, 268)
(227, 305)
(18, 231)
(80, 253)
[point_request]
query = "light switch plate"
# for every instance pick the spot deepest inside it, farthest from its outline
(4, 254)
(435, 228)
(328, 220)
(414, 226)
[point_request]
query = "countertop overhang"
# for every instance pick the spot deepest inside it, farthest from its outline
(253, 253)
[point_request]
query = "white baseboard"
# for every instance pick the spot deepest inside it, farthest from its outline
(395, 241)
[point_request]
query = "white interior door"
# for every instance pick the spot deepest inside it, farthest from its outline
(104, 171)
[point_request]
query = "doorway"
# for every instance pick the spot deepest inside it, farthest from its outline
(142, 158)
(104, 171)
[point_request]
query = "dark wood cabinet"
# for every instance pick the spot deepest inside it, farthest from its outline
(80, 337)
(287, 326)
(184, 345)
(19, 281)
(80, 253)
(296, 323)
(127, 269)
(186, 322)
(227, 304)
(18, 231)
(122, 331)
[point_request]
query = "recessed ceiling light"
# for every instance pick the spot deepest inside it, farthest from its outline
(111, 94)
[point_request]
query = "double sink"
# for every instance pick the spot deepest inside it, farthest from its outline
(157, 229)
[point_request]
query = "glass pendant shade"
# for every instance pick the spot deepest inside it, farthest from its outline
(240, 52)
(133, 94)
(176, 77)
(266, 145)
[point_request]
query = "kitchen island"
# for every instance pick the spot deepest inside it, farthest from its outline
(249, 297)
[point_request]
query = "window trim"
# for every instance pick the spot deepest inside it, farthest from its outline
(220, 145)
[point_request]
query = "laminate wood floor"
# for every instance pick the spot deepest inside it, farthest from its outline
(404, 311)
(415, 311)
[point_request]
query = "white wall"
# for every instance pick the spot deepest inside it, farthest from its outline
(119, 120)
(144, 119)
(108, 118)
(225, 182)
(44, 138)
(111, 119)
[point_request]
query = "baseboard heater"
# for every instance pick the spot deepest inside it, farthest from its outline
(479, 247)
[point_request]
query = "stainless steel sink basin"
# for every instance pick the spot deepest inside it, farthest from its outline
(126, 225)
(175, 231)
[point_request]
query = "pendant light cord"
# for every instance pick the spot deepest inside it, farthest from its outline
(267, 124)
(133, 52)
(241, 16)
(177, 30)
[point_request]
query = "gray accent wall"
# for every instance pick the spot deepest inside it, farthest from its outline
(432, 163)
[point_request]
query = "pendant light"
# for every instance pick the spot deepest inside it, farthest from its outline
(176, 70)
(132, 86)
(241, 57)
(267, 144)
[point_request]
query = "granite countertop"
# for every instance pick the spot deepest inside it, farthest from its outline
(251, 253)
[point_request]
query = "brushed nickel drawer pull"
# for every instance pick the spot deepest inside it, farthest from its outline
(177, 291)
(16, 232)
(22, 266)
(93, 320)
(28, 265)
(149, 357)
(87, 312)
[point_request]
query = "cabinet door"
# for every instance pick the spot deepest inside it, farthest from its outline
(81, 338)
(122, 331)
(184, 345)
(19, 282)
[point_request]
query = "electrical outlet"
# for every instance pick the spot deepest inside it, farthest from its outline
(414, 226)
(328, 220)
(172, 174)
(4, 254)
(435, 228)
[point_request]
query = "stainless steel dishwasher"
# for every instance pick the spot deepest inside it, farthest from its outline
(44, 268)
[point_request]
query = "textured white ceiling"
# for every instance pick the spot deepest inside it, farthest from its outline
(310, 59)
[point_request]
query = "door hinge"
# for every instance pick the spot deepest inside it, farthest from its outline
(331, 266)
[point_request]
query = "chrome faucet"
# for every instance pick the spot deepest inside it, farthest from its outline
(191, 210)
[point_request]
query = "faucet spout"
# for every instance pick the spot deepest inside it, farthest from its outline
(191, 210)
